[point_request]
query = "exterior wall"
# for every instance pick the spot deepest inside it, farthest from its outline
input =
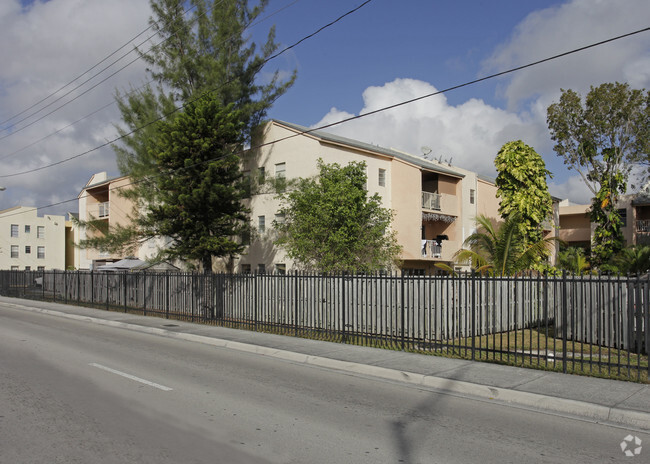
(300, 157)
(404, 184)
(53, 242)
(407, 206)
(100, 190)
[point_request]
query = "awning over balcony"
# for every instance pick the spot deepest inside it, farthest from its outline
(437, 217)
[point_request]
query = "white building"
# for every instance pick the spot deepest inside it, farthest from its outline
(30, 242)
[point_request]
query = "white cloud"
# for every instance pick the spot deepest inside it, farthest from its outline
(45, 46)
(471, 133)
(570, 26)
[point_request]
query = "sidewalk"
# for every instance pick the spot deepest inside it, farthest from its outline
(600, 400)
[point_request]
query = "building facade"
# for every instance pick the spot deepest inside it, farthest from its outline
(31, 242)
(434, 204)
(102, 199)
(576, 228)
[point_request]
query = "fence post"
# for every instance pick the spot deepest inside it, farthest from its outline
(106, 273)
(125, 291)
(167, 295)
(564, 322)
(402, 312)
(295, 303)
(54, 285)
(343, 328)
(78, 287)
(473, 313)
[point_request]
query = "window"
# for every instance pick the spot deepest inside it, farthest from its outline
(14, 251)
(28, 268)
(382, 178)
(14, 230)
(279, 218)
(28, 249)
(41, 252)
(40, 232)
(246, 179)
(261, 224)
(623, 215)
(261, 175)
(245, 268)
(261, 268)
(472, 194)
(280, 169)
(28, 229)
(281, 268)
(14, 268)
(41, 268)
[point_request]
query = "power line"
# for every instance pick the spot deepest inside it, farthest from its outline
(261, 65)
(386, 108)
(249, 25)
(83, 74)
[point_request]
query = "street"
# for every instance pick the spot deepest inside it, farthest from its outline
(76, 392)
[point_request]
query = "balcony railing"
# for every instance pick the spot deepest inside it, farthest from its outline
(431, 249)
(643, 225)
(103, 210)
(431, 201)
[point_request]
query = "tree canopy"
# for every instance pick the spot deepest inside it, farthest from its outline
(332, 225)
(601, 138)
(521, 185)
(203, 66)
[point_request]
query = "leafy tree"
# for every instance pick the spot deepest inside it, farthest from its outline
(601, 138)
(521, 185)
(331, 225)
(503, 250)
(205, 55)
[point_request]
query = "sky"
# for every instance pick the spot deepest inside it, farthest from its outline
(386, 52)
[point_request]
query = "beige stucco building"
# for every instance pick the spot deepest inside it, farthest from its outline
(576, 228)
(31, 242)
(102, 199)
(434, 204)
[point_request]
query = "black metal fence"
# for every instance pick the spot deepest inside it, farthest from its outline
(592, 324)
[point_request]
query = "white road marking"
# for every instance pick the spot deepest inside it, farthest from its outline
(132, 377)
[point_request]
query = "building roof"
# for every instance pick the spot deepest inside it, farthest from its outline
(326, 136)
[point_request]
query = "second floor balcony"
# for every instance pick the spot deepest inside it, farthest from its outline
(431, 201)
(100, 210)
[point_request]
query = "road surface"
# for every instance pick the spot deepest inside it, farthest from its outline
(76, 392)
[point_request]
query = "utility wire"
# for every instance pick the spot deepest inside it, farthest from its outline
(406, 102)
(165, 116)
(83, 74)
(249, 25)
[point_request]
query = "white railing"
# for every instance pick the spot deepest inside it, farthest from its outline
(431, 200)
(643, 225)
(431, 249)
(103, 209)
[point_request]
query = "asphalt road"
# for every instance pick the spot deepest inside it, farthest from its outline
(75, 392)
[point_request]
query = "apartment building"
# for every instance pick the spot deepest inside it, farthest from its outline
(102, 199)
(435, 204)
(576, 228)
(31, 242)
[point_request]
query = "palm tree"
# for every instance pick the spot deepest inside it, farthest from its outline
(573, 259)
(503, 250)
(633, 260)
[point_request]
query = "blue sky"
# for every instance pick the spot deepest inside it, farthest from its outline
(386, 52)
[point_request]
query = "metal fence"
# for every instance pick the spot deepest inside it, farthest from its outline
(592, 324)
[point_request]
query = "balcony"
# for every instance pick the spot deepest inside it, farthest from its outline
(431, 201)
(643, 226)
(99, 210)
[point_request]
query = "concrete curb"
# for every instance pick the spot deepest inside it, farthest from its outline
(591, 411)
